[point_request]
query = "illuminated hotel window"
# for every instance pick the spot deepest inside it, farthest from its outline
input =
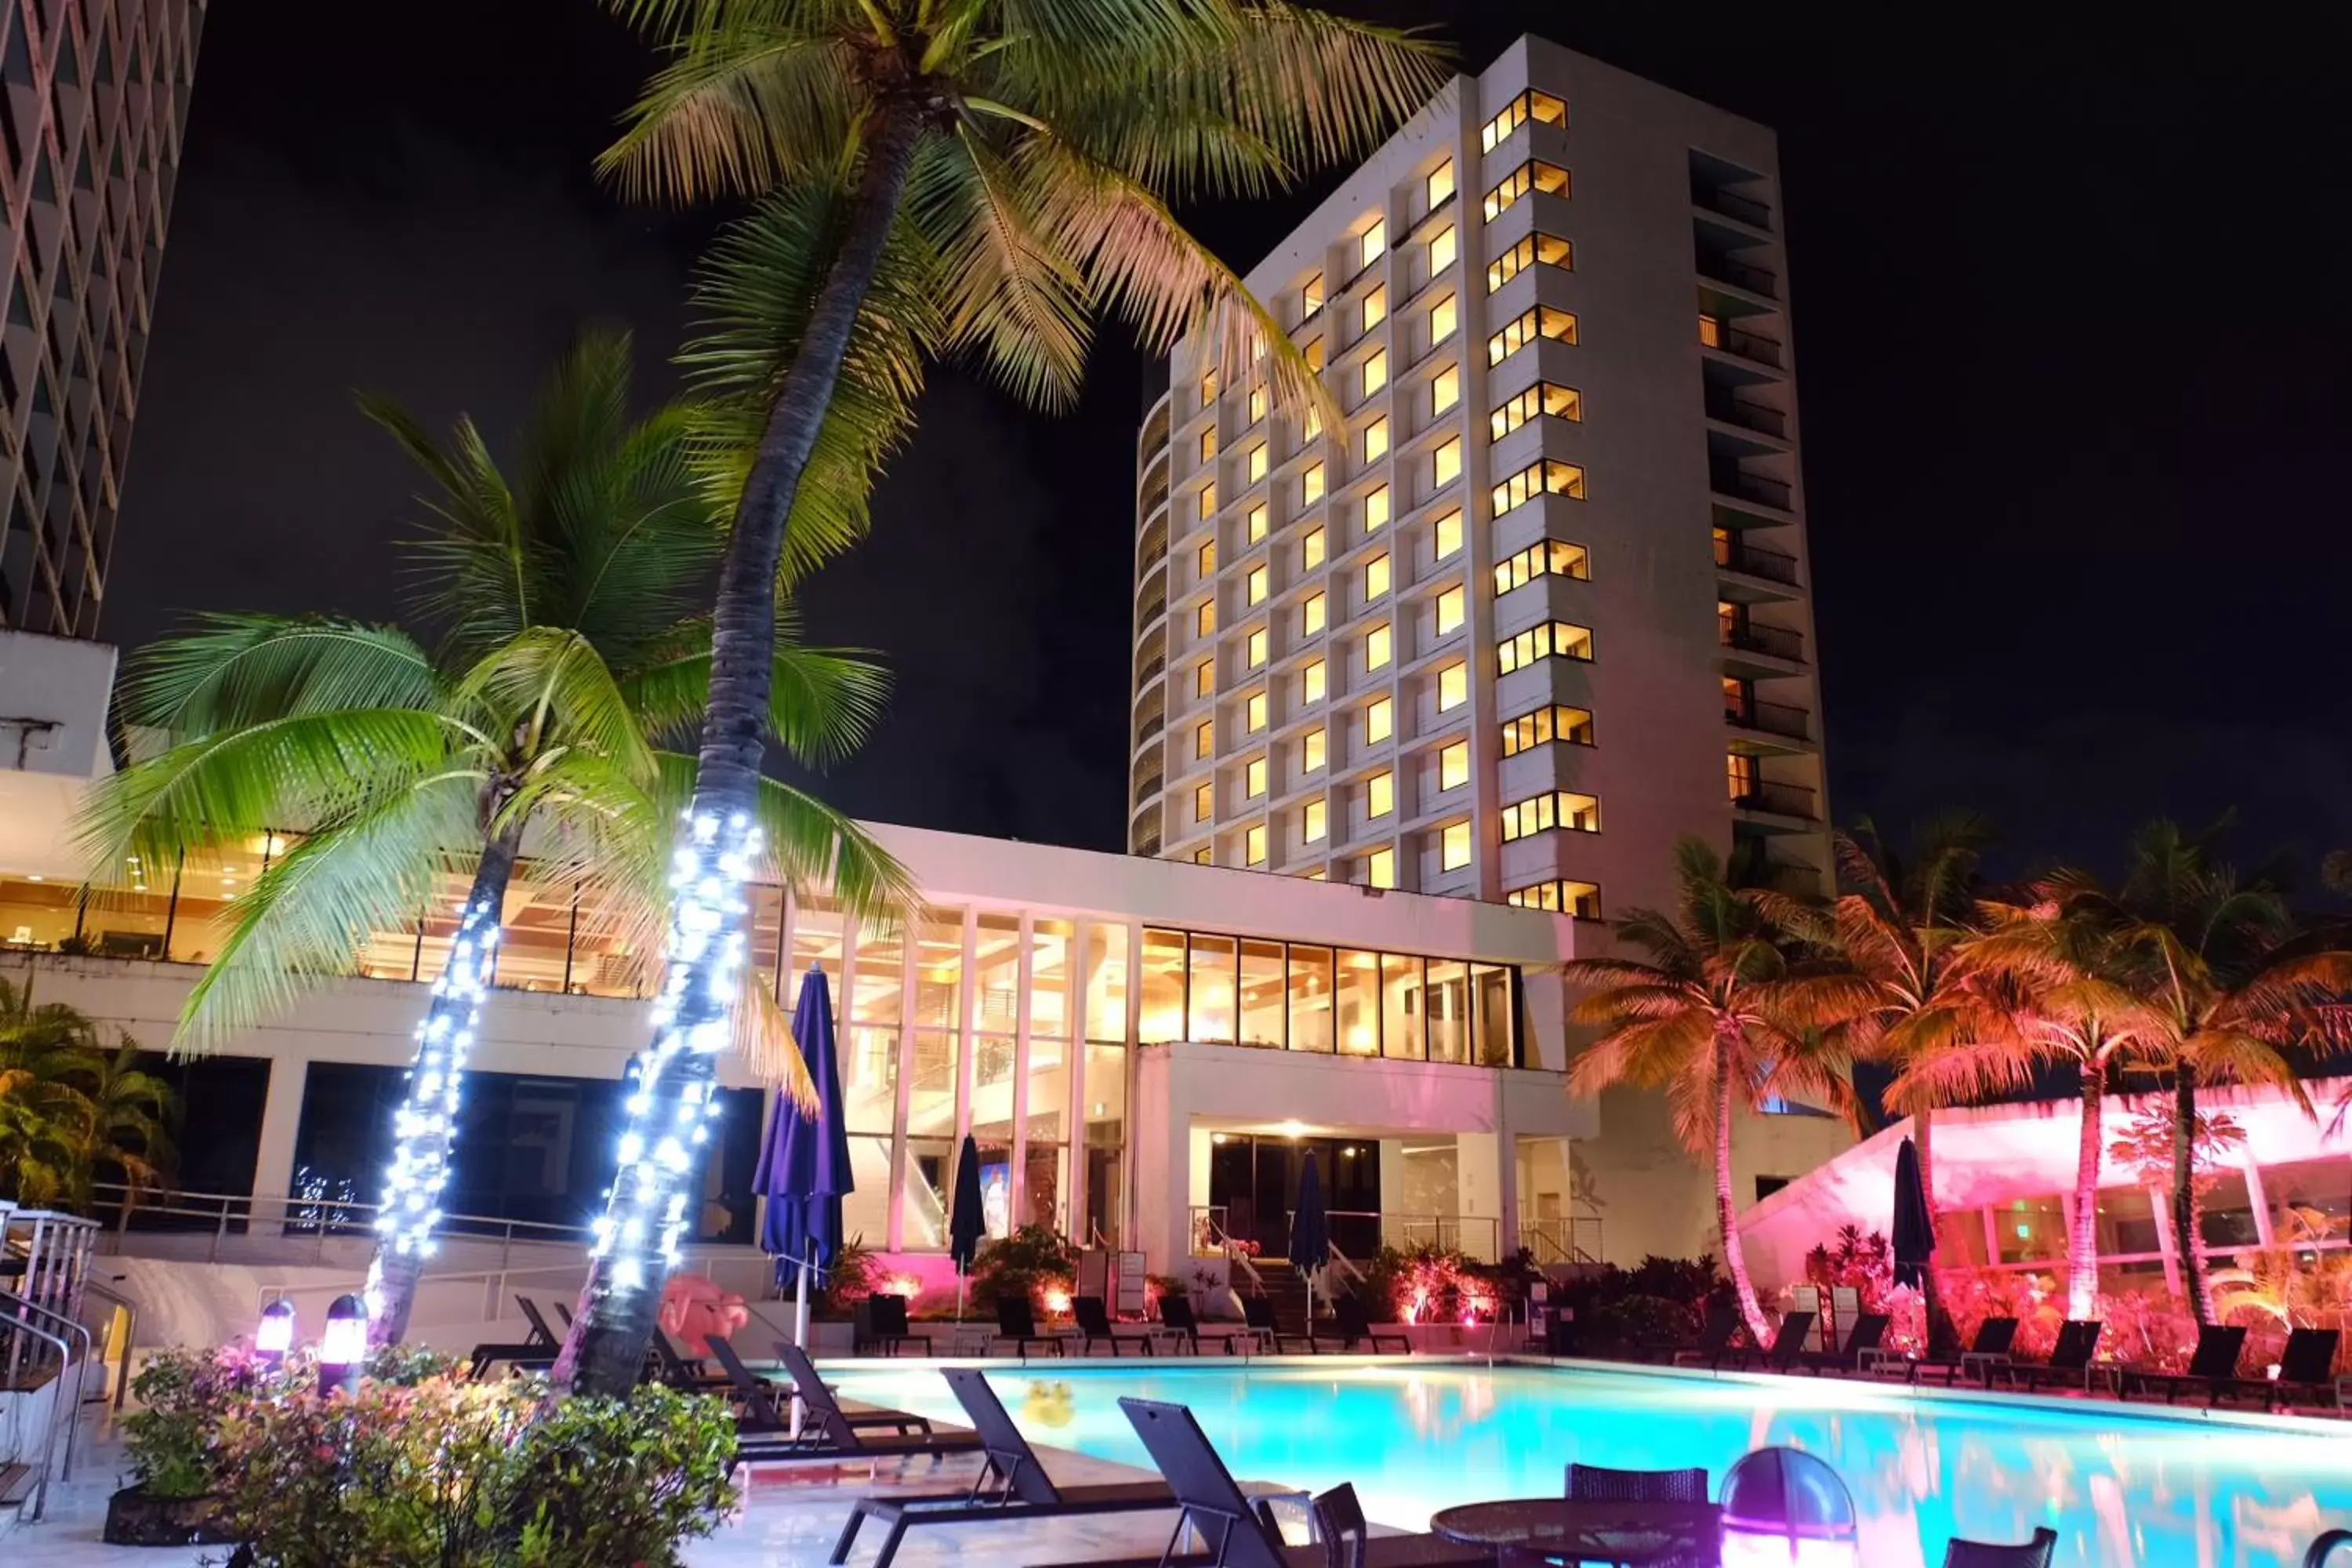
(1209, 501)
(1257, 462)
(1552, 640)
(1310, 296)
(1316, 874)
(1257, 522)
(1257, 403)
(1582, 900)
(1378, 646)
(1446, 463)
(1258, 585)
(1549, 557)
(1443, 249)
(1253, 846)
(1456, 851)
(1454, 765)
(1209, 444)
(1572, 725)
(1379, 794)
(1204, 855)
(1534, 250)
(1376, 508)
(1314, 353)
(1314, 822)
(1207, 395)
(1441, 182)
(1256, 646)
(1254, 712)
(1205, 738)
(1313, 684)
(1376, 440)
(1376, 371)
(1542, 321)
(1204, 619)
(1311, 427)
(1444, 389)
(1541, 399)
(1204, 678)
(1380, 868)
(1376, 577)
(1376, 306)
(1313, 752)
(1310, 550)
(1541, 107)
(1443, 320)
(1553, 808)
(1446, 534)
(1205, 559)
(1547, 478)
(1205, 802)
(1310, 485)
(1310, 615)
(1532, 177)
(1450, 610)
(1253, 777)
(1453, 685)
(1380, 721)
(1371, 244)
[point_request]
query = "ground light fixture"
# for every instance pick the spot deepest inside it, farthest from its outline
(1783, 1508)
(342, 1349)
(274, 1335)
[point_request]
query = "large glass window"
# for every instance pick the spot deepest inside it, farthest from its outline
(1106, 983)
(1105, 1135)
(1401, 1011)
(925, 1195)
(880, 975)
(1263, 1000)
(1449, 1011)
(939, 1025)
(1163, 987)
(1310, 998)
(1210, 1002)
(1498, 1016)
(1360, 1003)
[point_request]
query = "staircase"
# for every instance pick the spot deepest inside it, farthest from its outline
(1286, 1289)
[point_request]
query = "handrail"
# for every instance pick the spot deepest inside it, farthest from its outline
(130, 1310)
(10, 1299)
(72, 1408)
(1771, 717)
(325, 1218)
(1345, 1265)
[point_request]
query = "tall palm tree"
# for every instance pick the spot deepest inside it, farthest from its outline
(1021, 157)
(2226, 991)
(568, 650)
(1721, 1016)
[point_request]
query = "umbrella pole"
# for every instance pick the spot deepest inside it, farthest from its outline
(800, 1333)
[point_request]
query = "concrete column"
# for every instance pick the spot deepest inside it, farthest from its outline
(1133, 1184)
(1019, 1191)
(281, 1120)
(1073, 1114)
(967, 1025)
(893, 1224)
(1161, 1151)
(2160, 1204)
(2259, 1200)
(1481, 1174)
(1391, 1186)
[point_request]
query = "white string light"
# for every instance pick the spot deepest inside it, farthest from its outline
(426, 1127)
(670, 1110)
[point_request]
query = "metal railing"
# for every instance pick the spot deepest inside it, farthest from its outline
(1717, 333)
(1748, 487)
(1736, 555)
(1148, 788)
(1782, 799)
(1771, 717)
(1738, 274)
(1572, 1238)
(226, 1227)
(1210, 1239)
(1747, 635)
(1151, 667)
(1747, 415)
(1715, 199)
(63, 1406)
(1151, 727)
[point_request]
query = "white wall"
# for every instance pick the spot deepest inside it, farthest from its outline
(53, 695)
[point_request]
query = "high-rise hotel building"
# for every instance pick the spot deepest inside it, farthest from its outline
(1538, 606)
(93, 97)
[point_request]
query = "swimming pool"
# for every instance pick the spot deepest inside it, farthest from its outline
(2121, 1484)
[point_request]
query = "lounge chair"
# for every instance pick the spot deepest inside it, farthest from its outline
(2306, 1364)
(885, 1325)
(1352, 1326)
(766, 1413)
(1714, 1338)
(2069, 1358)
(670, 1366)
(540, 1334)
(1094, 1322)
(1012, 1485)
(524, 1355)
(1178, 1321)
(2211, 1365)
(1016, 1322)
(1862, 1342)
(828, 1430)
(1598, 1483)
(2034, 1553)
(1257, 1311)
(1995, 1338)
(1787, 1350)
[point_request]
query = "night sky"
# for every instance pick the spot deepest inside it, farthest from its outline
(2074, 377)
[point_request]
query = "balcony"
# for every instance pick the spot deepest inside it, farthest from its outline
(1723, 268)
(1770, 718)
(1779, 799)
(1151, 609)
(1147, 845)
(1734, 554)
(1715, 333)
(1731, 205)
(1150, 670)
(1747, 487)
(1148, 728)
(1729, 410)
(1774, 642)
(1148, 789)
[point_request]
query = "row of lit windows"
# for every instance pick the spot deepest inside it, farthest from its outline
(1533, 177)
(1545, 558)
(1545, 478)
(1540, 321)
(1544, 399)
(1545, 725)
(1552, 640)
(1541, 107)
(1553, 808)
(1582, 900)
(1534, 250)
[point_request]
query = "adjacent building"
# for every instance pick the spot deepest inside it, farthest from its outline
(93, 98)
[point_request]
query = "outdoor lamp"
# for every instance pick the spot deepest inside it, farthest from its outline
(1783, 1508)
(343, 1347)
(274, 1335)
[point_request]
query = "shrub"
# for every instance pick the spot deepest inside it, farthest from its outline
(848, 1281)
(1633, 1322)
(173, 1437)
(1026, 1262)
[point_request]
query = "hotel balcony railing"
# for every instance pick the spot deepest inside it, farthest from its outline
(1151, 667)
(1771, 717)
(1781, 799)
(1748, 487)
(1147, 845)
(1715, 199)
(1738, 274)
(1717, 333)
(1155, 551)
(1151, 727)
(1736, 555)
(1148, 788)
(1778, 641)
(1152, 609)
(1747, 415)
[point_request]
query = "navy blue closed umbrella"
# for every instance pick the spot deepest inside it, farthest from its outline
(1310, 1229)
(805, 1166)
(1915, 1228)
(967, 1222)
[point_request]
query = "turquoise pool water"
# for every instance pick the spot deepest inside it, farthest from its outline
(2121, 1484)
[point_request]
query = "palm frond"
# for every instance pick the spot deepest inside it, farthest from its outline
(549, 687)
(229, 670)
(749, 99)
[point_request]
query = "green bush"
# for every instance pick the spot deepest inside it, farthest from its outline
(1638, 1322)
(1025, 1263)
(173, 1436)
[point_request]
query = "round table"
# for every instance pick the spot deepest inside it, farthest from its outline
(1627, 1533)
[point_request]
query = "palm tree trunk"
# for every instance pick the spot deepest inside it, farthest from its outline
(1943, 1334)
(2082, 1240)
(1727, 1214)
(607, 1342)
(2185, 1217)
(425, 1127)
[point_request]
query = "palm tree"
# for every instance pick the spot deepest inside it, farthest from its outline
(1021, 159)
(72, 1104)
(568, 651)
(1723, 1017)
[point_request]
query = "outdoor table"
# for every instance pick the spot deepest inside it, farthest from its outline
(1630, 1534)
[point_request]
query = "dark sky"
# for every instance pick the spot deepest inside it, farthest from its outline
(2076, 388)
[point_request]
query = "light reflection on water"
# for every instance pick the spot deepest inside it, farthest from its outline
(2123, 1486)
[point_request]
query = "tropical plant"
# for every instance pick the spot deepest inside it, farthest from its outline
(1724, 1015)
(569, 650)
(1017, 161)
(1031, 1260)
(76, 1107)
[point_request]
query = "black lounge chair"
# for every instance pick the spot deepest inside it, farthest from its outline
(2034, 1553)
(2211, 1365)
(524, 1355)
(1257, 1311)
(1352, 1326)
(1016, 1320)
(1240, 1533)
(1714, 1338)
(1862, 1342)
(2069, 1358)
(830, 1431)
(1995, 1339)
(1094, 1323)
(2306, 1364)
(540, 1334)
(1598, 1483)
(1786, 1351)
(885, 1325)
(767, 1416)
(668, 1364)
(1178, 1320)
